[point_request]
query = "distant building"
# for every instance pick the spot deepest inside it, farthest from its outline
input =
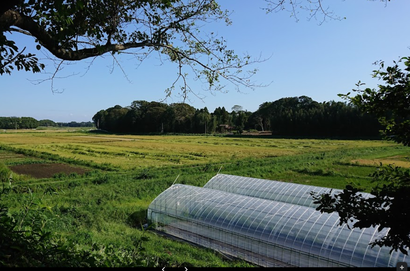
(223, 128)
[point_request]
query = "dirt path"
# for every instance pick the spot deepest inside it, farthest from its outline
(46, 170)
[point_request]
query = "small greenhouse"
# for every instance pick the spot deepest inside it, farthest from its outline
(265, 222)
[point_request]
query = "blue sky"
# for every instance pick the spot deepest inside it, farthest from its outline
(305, 58)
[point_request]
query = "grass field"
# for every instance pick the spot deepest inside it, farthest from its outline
(135, 152)
(106, 182)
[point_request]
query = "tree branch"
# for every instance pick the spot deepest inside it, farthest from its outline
(6, 5)
(25, 23)
(315, 8)
(87, 30)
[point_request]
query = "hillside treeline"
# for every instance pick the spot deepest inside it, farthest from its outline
(32, 123)
(293, 116)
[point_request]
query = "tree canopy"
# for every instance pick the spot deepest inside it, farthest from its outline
(73, 30)
(291, 116)
(389, 206)
(390, 102)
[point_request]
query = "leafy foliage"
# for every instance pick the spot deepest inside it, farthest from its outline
(387, 209)
(390, 102)
(389, 206)
(80, 29)
(11, 58)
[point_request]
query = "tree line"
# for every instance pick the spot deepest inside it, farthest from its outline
(302, 116)
(292, 116)
(157, 117)
(32, 123)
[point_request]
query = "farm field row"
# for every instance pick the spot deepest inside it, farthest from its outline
(127, 152)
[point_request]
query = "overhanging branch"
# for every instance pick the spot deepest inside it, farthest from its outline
(27, 24)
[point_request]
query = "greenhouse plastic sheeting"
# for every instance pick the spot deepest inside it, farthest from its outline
(266, 189)
(264, 231)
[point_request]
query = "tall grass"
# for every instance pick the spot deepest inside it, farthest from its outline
(5, 173)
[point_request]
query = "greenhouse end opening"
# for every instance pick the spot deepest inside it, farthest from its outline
(268, 223)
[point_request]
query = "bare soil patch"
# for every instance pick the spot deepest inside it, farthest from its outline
(46, 170)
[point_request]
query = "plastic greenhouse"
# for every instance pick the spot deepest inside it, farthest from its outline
(267, 189)
(265, 222)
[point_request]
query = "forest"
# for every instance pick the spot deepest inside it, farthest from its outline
(291, 116)
(32, 123)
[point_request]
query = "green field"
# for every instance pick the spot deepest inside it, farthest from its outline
(107, 204)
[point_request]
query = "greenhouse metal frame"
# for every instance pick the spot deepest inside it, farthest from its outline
(268, 223)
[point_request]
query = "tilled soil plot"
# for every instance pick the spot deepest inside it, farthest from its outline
(46, 170)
